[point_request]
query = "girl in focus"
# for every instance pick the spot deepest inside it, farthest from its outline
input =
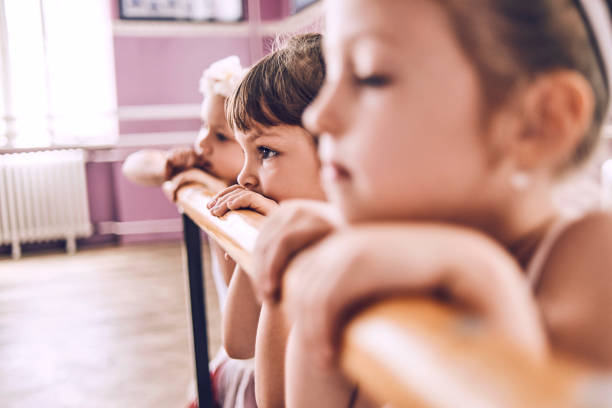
(454, 120)
(280, 163)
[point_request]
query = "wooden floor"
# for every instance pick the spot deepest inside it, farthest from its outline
(103, 328)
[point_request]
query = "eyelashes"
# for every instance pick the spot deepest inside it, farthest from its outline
(373, 81)
(217, 135)
(266, 153)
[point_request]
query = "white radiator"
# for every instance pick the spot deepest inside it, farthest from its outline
(43, 197)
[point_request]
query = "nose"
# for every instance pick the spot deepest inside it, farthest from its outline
(323, 115)
(247, 177)
(203, 144)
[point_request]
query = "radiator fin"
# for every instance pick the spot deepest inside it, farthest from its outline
(43, 197)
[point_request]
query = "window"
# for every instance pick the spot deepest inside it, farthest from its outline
(57, 73)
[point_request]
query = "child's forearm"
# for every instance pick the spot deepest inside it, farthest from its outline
(240, 317)
(272, 333)
(366, 263)
(226, 265)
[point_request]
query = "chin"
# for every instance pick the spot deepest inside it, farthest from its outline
(346, 206)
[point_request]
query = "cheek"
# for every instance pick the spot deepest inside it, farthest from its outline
(273, 181)
(290, 177)
(416, 168)
(227, 159)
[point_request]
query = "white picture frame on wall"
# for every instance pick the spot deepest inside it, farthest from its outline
(298, 5)
(187, 10)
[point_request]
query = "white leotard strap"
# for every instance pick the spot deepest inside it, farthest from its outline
(599, 18)
(534, 269)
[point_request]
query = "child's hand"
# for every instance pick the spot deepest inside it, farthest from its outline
(294, 226)
(237, 197)
(181, 159)
(358, 265)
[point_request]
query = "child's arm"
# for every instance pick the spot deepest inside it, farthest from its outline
(366, 263)
(295, 225)
(272, 333)
(237, 197)
(575, 291)
(240, 317)
(152, 167)
(226, 264)
(146, 167)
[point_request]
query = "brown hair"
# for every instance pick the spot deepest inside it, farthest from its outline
(518, 40)
(280, 86)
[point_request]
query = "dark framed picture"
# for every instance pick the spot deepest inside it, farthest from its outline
(298, 5)
(186, 10)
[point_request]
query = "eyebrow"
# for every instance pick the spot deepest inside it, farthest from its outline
(253, 136)
(258, 134)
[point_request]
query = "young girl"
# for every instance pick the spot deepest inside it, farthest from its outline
(214, 151)
(217, 152)
(280, 163)
(454, 120)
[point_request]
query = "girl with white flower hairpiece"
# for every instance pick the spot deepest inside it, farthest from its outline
(215, 151)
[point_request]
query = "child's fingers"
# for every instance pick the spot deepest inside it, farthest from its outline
(179, 159)
(286, 235)
(220, 206)
(222, 193)
(252, 200)
(245, 199)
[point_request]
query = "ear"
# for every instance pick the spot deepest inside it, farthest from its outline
(557, 110)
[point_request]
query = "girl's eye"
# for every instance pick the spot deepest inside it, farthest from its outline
(266, 153)
(221, 137)
(373, 81)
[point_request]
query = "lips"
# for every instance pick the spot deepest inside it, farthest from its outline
(332, 169)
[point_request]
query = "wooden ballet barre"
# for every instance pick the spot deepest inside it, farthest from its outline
(413, 352)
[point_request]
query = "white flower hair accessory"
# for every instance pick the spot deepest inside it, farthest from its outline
(222, 77)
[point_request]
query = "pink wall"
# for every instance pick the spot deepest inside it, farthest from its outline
(274, 9)
(157, 70)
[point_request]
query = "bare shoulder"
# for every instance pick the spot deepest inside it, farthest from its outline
(575, 292)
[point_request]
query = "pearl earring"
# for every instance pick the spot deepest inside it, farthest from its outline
(520, 180)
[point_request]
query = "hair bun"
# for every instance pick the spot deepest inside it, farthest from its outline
(222, 77)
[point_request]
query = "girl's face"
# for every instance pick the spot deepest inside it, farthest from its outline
(216, 142)
(401, 134)
(280, 163)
